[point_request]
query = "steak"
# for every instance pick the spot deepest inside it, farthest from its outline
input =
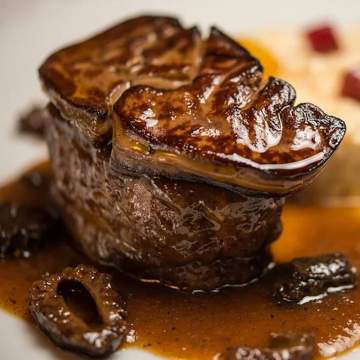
(172, 156)
(187, 234)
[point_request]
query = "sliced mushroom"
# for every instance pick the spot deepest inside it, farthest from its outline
(307, 279)
(289, 346)
(35, 180)
(94, 324)
(22, 228)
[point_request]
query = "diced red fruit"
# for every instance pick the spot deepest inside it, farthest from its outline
(351, 84)
(323, 39)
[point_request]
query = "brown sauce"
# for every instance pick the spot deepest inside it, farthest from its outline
(199, 326)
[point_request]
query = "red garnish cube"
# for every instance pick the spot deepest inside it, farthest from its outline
(323, 39)
(351, 84)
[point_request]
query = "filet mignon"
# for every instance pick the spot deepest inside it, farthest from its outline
(186, 234)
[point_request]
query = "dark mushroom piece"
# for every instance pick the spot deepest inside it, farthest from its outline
(97, 332)
(289, 346)
(32, 122)
(306, 279)
(34, 180)
(23, 227)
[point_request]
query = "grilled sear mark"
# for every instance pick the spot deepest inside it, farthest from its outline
(307, 279)
(96, 329)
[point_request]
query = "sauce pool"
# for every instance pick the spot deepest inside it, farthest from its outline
(177, 325)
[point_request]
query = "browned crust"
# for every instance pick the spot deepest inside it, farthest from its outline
(80, 78)
(202, 100)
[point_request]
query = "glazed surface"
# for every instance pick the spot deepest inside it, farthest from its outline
(177, 325)
(197, 108)
(319, 79)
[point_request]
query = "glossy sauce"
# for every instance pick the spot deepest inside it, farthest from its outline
(199, 326)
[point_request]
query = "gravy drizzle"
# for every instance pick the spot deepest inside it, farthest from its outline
(178, 325)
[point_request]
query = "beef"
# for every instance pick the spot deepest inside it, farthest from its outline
(190, 235)
(171, 154)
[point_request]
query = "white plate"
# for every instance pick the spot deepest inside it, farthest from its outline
(29, 30)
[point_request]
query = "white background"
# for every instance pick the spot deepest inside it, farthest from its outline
(31, 29)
